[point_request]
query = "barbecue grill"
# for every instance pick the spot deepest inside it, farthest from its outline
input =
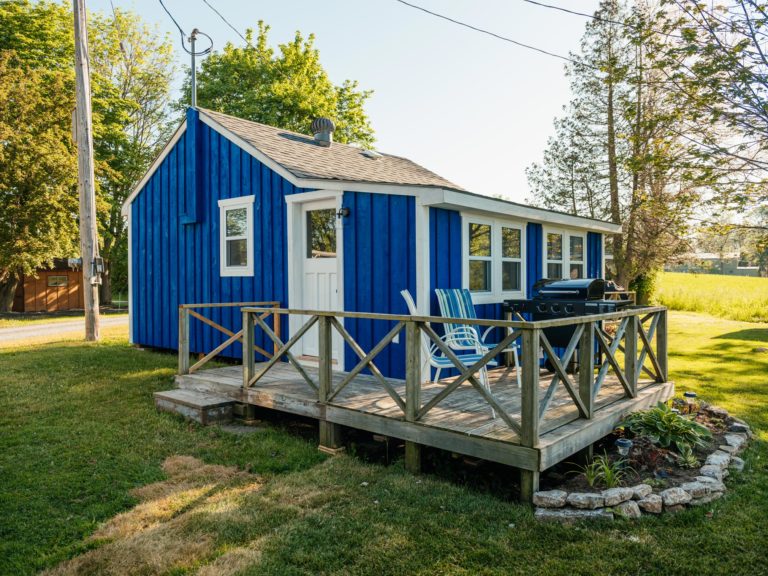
(564, 299)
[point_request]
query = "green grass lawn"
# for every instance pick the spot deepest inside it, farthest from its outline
(734, 297)
(80, 442)
(21, 321)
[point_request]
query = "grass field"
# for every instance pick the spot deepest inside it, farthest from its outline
(734, 297)
(91, 473)
(15, 322)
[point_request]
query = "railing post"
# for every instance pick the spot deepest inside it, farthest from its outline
(587, 367)
(276, 321)
(529, 479)
(630, 353)
(661, 346)
(183, 340)
(330, 433)
(248, 352)
(412, 391)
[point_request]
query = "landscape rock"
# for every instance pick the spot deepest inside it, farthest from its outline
(715, 411)
(740, 428)
(651, 504)
(715, 485)
(641, 491)
(712, 471)
(736, 440)
(550, 498)
(737, 464)
(706, 499)
(570, 515)
(760, 349)
(585, 500)
(674, 497)
(614, 496)
(628, 509)
(697, 489)
(718, 458)
(729, 449)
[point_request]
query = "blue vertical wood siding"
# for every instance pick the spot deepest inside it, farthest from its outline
(594, 255)
(534, 264)
(379, 262)
(176, 257)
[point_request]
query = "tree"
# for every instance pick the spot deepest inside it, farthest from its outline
(286, 90)
(131, 72)
(38, 172)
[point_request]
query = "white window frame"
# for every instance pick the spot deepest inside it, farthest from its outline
(496, 294)
(566, 234)
(233, 204)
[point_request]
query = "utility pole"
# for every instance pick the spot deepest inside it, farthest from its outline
(192, 40)
(89, 240)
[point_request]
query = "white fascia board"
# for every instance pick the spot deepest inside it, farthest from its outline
(153, 168)
(467, 202)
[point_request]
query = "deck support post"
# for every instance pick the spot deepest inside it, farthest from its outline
(412, 391)
(183, 340)
(529, 437)
(248, 353)
(661, 346)
(630, 354)
(587, 368)
(330, 433)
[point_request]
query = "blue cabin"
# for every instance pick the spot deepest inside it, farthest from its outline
(237, 211)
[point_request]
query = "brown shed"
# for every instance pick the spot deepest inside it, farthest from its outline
(50, 290)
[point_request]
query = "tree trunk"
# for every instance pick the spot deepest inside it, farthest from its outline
(8, 287)
(613, 181)
(105, 290)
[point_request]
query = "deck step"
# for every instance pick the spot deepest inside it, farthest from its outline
(198, 406)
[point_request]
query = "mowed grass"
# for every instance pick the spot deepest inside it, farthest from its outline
(733, 297)
(91, 473)
(30, 320)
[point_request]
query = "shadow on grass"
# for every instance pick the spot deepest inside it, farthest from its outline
(751, 334)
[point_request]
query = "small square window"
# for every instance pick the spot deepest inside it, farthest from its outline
(554, 270)
(236, 236)
(237, 222)
(510, 276)
(237, 252)
(480, 275)
(57, 281)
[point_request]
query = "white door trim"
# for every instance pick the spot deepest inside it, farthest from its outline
(294, 227)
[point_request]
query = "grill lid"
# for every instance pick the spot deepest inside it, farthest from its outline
(581, 289)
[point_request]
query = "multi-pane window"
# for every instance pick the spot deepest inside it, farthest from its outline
(494, 257)
(236, 236)
(511, 259)
(554, 255)
(480, 255)
(565, 255)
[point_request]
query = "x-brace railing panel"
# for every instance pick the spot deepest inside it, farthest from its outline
(560, 373)
(468, 374)
(610, 356)
(284, 350)
(615, 344)
(366, 360)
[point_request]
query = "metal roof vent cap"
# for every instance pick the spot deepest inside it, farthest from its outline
(323, 129)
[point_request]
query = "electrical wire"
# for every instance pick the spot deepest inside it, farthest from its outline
(494, 35)
(228, 23)
(184, 34)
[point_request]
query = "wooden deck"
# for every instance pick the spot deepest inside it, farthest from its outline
(462, 422)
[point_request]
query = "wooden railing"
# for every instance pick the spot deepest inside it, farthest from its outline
(187, 311)
(640, 337)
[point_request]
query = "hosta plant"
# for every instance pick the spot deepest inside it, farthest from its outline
(666, 428)
(686, 458)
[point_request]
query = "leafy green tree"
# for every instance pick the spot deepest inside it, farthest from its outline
(38, 172)
(286, 89)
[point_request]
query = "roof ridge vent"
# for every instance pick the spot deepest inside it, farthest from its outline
(372, 154)
(323, 129)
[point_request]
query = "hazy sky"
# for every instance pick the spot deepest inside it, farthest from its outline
(472, 108)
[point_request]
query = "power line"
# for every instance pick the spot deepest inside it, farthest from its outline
(184, 34)
(493, 34)
(595, 17)
(228, 23)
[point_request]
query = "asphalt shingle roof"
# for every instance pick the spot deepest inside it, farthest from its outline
(301, 156)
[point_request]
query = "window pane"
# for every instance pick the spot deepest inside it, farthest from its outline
(479, 276)
(237, 252)
(608, 246)
(321, 233)
(577, 248)
(237, 222)
(479, 240)
(510, 242)
(57, 281)
(577, 271)
(554, 246)
(510, 276)
(554, 271)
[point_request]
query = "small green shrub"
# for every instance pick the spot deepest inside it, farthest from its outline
(686, 458)
(602, 471)
(665, 428)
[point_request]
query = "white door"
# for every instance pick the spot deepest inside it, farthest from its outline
(319, 266)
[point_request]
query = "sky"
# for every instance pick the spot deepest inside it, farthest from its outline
(472, 108)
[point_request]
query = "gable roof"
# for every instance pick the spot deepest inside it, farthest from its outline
(301, 156)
